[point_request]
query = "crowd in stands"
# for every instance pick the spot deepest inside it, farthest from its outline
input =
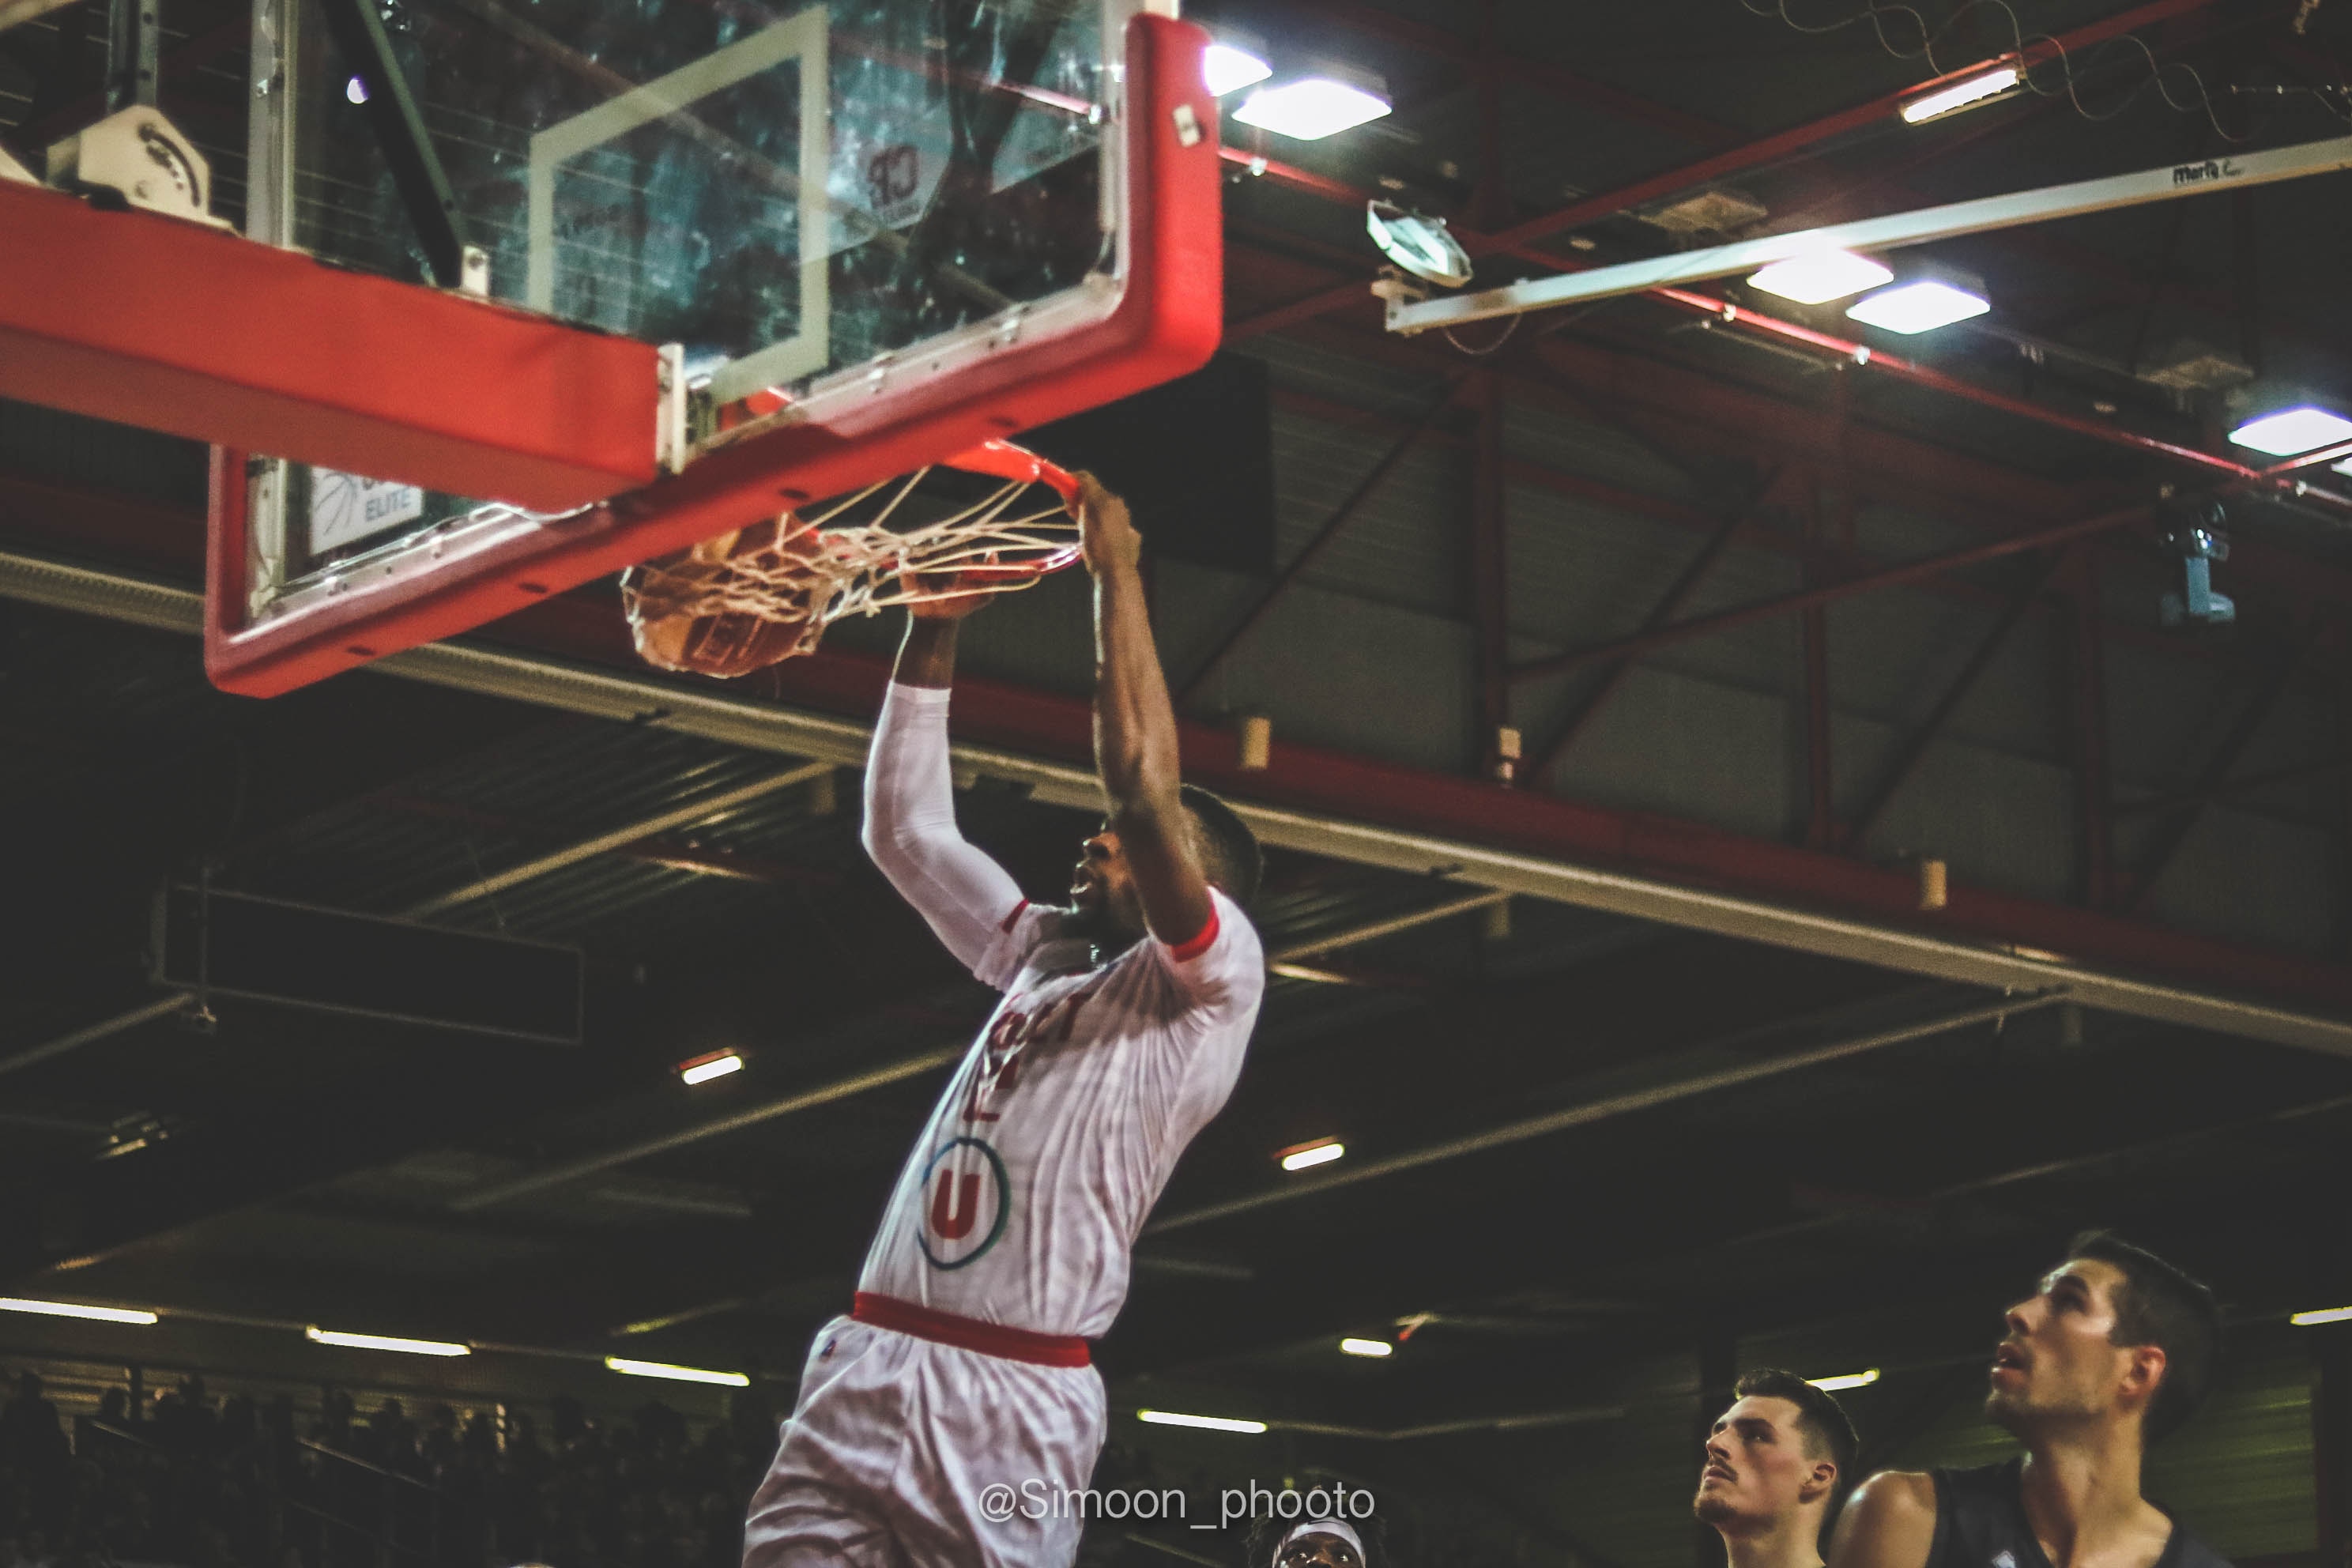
(198, 1482)
(186, 1479)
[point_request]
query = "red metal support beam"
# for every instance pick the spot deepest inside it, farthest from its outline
(1036, 722)
(1341, 515)
(1829, 593)
(153, 322)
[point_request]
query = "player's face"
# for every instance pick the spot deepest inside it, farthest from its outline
(1102, 892)
(1317, 1549)
(2057, 1361)
(1757, 1469)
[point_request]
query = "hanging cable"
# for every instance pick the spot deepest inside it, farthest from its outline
(2068, 85)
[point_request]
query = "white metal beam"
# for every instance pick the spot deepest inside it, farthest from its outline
(1891, 232)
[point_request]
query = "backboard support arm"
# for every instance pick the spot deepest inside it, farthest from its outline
(399, 128)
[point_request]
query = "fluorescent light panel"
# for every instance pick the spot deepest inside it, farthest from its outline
(1919, 307)
(628, 1368)
(1366, 1347)
(1206, 1423)
(1818, 279)
(702, 1069)
(1313, 1154)
(1961, 94)
(385, 1342)
(1310, 108)
(1846, 1380)
(2324, 1315)
(2292, 430)
(76, 1309)
(1227, 68)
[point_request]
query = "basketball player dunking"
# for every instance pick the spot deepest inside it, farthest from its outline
(2112, 1353)
(964, 1370)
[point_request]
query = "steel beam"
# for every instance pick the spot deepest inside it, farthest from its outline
(2085, 652)
(1891, 232)
(1341, 515)
(1350, 808)
(1829, 593)
(1489, 578)
(620, 837)
(2256, 712)
(1669, 605)
(1677, 1088)
(1915, 746)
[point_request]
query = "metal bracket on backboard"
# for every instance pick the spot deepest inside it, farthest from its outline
(138, 156)
(673, 438)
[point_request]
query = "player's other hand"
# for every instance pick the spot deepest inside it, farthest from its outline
(1105, 533)
(941, 595)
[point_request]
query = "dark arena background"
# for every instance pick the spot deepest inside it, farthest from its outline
(1774, 840)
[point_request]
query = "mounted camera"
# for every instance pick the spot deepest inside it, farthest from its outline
(2194, 530)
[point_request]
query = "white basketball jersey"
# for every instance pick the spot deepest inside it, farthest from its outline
(1021, 1202)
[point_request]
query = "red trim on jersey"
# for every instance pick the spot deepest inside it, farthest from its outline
(970, 1333)
(1185, 952)
(1007, 926)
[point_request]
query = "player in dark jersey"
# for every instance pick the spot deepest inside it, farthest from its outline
(2113, 1351)
(1776, 1461)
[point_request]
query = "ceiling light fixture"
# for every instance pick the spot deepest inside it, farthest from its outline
(628, 1368)
(1304, 1156)
(1961, 94)
(1316, 106)
(702, 1069)
(2292, 430)
(76, 1309)
(1366, 1347)
(1845, 1379)
(1920, 306)
(2324, 1315)
(1820, 276)
(1230, 67)
(385, 1342)
(1206, 1423)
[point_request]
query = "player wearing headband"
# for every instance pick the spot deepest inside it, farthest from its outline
(946, 1418)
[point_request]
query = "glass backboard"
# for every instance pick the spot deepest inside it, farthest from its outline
(915, 222)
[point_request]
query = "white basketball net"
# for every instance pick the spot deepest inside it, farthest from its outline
(808, 571)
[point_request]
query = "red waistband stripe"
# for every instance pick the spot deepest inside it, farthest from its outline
(970, 1333)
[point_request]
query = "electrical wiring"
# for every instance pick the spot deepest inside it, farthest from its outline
(2068, 85)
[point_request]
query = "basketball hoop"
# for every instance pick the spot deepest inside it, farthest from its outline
(760, 595)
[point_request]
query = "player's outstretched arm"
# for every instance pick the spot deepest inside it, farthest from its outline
(1889, 1523)
(1135, 726)
(910, 827)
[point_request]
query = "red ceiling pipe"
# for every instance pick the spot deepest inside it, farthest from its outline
(1926, 375)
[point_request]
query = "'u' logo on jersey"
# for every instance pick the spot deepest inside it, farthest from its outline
(969, 1203)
